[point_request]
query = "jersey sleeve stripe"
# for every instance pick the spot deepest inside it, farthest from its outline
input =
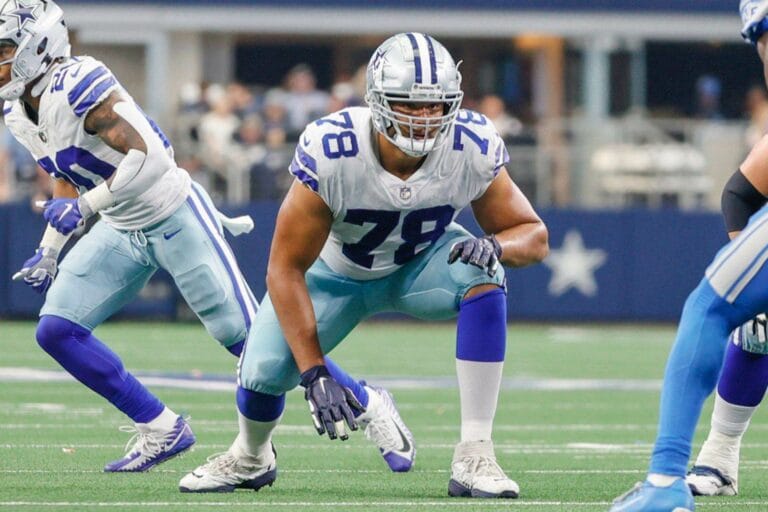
(85, 83)
(7, 110)
(306, 160)
(94, 96)
(309, 179)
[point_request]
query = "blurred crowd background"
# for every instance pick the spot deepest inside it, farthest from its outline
(591, 121)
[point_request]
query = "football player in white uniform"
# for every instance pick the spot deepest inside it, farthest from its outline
(728, 304)
(744, 378)
(368, 226)
(109, 158)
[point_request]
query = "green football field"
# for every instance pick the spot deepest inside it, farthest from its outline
(575, 423)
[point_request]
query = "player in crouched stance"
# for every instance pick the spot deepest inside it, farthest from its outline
(109, 158)
(368, 227)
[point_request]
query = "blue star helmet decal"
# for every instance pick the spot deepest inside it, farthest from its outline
(24, 14)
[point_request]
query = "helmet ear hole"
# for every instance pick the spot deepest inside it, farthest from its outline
(42, 46)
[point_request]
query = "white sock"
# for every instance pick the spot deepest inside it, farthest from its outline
(659, 480)
(479, 385)
(254, 438)
(164, 421)
(730, 419)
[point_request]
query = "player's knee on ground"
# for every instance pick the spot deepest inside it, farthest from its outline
(272, 376)
(52, 331)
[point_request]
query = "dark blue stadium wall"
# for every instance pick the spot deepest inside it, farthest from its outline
(627, 265)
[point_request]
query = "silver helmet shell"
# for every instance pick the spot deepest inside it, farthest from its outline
(38, 31)
(413, 68)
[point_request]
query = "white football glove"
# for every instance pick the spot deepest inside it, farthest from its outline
(752, 336)
(753, 12)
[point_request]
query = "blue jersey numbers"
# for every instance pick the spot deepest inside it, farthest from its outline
(67, 159)
(413, 232)
(341, 144)
(464, 120)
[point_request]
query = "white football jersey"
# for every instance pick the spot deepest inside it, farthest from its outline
(65, 150)
(381, 222)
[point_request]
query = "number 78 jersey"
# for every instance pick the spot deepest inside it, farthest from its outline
(380, 222)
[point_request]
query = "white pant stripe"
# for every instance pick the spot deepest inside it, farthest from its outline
(732, 271)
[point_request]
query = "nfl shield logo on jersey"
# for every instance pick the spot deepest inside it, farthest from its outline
(405, 193)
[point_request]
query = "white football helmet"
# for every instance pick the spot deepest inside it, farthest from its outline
(37, 29)
(413, 68)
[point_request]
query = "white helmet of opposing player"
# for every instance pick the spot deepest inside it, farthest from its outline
(413, 68)
(37, 29)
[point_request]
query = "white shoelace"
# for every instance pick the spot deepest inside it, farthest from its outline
(142, 442)
(480, 465)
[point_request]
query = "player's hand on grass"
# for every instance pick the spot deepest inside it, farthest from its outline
(39, 270)
(481, 252)
(331, 404)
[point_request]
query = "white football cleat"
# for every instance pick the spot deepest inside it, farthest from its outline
(707, 481)
(476, 474)
(383, 425)
(225, 472)
(716, 471)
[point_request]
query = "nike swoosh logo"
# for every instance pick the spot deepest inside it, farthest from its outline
(406, 445)
(67, 209)
(172, 234)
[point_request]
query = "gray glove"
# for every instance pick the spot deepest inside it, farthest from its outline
(39, 270)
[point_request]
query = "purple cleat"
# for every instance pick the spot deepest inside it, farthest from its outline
(151, 447)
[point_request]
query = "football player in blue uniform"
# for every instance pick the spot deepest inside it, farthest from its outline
(109, 158)
(744, 377)
(368, 226)
(730, 300)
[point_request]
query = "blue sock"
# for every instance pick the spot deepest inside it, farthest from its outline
(744, 378)
(481, 331)
(259, 406)
(95, 365)
(691, 374)
(343, 378)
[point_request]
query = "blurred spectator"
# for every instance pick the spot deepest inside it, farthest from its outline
(708, 89)
(243, 101)
(756, 103)
(216, 130)
(19, 179)
(492, 107)
(303, 102)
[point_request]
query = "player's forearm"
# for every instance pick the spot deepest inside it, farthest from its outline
(524, 244)
(293, 306)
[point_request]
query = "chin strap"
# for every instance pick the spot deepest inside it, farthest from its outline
(43, 81)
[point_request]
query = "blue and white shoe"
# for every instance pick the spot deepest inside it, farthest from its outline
(646, 497)
(225, 472)
(151, 447)
(383, 425)
(709, 481)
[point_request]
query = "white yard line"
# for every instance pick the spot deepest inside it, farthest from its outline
(17, 374)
